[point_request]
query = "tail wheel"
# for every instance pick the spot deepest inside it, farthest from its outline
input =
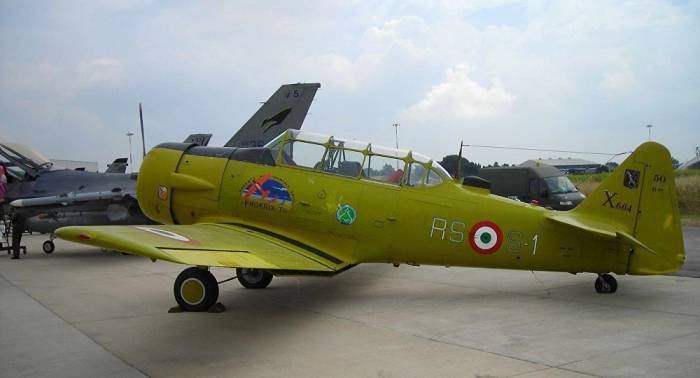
(196, 289)
(48, 246)
(605, 284)
(253, 278)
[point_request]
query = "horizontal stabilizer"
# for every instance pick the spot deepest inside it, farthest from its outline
(597, 230)
(587, 226)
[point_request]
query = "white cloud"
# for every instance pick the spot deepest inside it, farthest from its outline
(339, 72)
(460, 98)
(539, 70)
(402, 34)
(101, 71)
(619, 81)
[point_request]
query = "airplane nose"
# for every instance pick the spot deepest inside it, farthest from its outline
(153, 186)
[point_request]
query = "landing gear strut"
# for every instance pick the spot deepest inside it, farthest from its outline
(605, 284)
(253, 278)
(196, 289)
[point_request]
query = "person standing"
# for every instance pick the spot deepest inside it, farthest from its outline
(3, 184)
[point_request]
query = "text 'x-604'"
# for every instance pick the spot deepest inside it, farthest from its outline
(485, 237)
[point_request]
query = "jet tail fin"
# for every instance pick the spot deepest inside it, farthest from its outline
(118, 166)
(198, 139)
(285, 109)
(639, 200)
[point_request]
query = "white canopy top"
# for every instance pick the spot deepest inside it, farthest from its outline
(356, 145)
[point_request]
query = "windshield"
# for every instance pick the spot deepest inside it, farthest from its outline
(24, 156)
(560, 184)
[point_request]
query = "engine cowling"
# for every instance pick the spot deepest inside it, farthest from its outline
(179, 182)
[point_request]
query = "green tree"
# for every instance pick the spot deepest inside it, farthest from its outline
(468, 168)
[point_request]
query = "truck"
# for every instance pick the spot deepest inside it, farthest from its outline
(544, 185)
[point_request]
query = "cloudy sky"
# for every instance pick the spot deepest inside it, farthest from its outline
(577, 75)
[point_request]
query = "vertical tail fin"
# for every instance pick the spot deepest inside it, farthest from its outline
(118, 166)
(639, 199)
(286, 109)
(198, 139)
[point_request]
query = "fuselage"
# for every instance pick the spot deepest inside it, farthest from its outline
(117, 205)
(365, 220)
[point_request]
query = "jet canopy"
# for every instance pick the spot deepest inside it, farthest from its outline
(21, 159)
(354, 158)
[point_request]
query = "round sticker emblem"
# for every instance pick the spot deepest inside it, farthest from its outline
(485, 237)
(346, 214)
(162, 192)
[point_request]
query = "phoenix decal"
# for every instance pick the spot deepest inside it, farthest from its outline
(268, 193)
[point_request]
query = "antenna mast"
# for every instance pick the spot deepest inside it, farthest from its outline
(143, 139)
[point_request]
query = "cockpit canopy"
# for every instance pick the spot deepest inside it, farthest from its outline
(353, 158)
(22, 160)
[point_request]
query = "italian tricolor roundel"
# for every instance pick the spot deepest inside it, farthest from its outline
(485, 237)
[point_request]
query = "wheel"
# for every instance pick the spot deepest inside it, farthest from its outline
(48, 246)
(253, 278)
(196, 289)
(605, 284)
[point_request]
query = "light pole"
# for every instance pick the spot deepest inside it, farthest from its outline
(396, 136)
(649, 127)
(396, 130)
(131, 158)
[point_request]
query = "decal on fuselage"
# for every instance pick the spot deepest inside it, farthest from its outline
(346, 214)
(613, 204)
(484, 237)
(658, 184)
(162, 192)
(631, 179)
(267, 193)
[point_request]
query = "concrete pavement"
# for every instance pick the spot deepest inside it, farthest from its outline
(84, 312)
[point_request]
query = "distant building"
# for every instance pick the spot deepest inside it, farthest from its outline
(567, 165)
(90, 166)
(693, 163)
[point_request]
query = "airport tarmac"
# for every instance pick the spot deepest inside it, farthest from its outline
(82, 312)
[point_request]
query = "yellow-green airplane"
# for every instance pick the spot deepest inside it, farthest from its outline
(308, 204)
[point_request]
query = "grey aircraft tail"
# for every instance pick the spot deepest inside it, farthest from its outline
(285, 109)
(198, 139)
(118, 166)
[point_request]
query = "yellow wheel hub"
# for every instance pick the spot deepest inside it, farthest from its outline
(192, 291)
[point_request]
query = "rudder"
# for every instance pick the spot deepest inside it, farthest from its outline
(639, 199)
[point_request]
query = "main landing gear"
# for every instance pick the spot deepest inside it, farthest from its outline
(48, 246)
(197, 290)
(605, 284)
(253, 278)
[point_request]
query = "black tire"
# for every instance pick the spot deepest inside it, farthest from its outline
(253, 278)
(605, 284)
(48, 246)
(196, 289)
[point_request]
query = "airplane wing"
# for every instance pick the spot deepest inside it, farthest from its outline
(209, 244)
